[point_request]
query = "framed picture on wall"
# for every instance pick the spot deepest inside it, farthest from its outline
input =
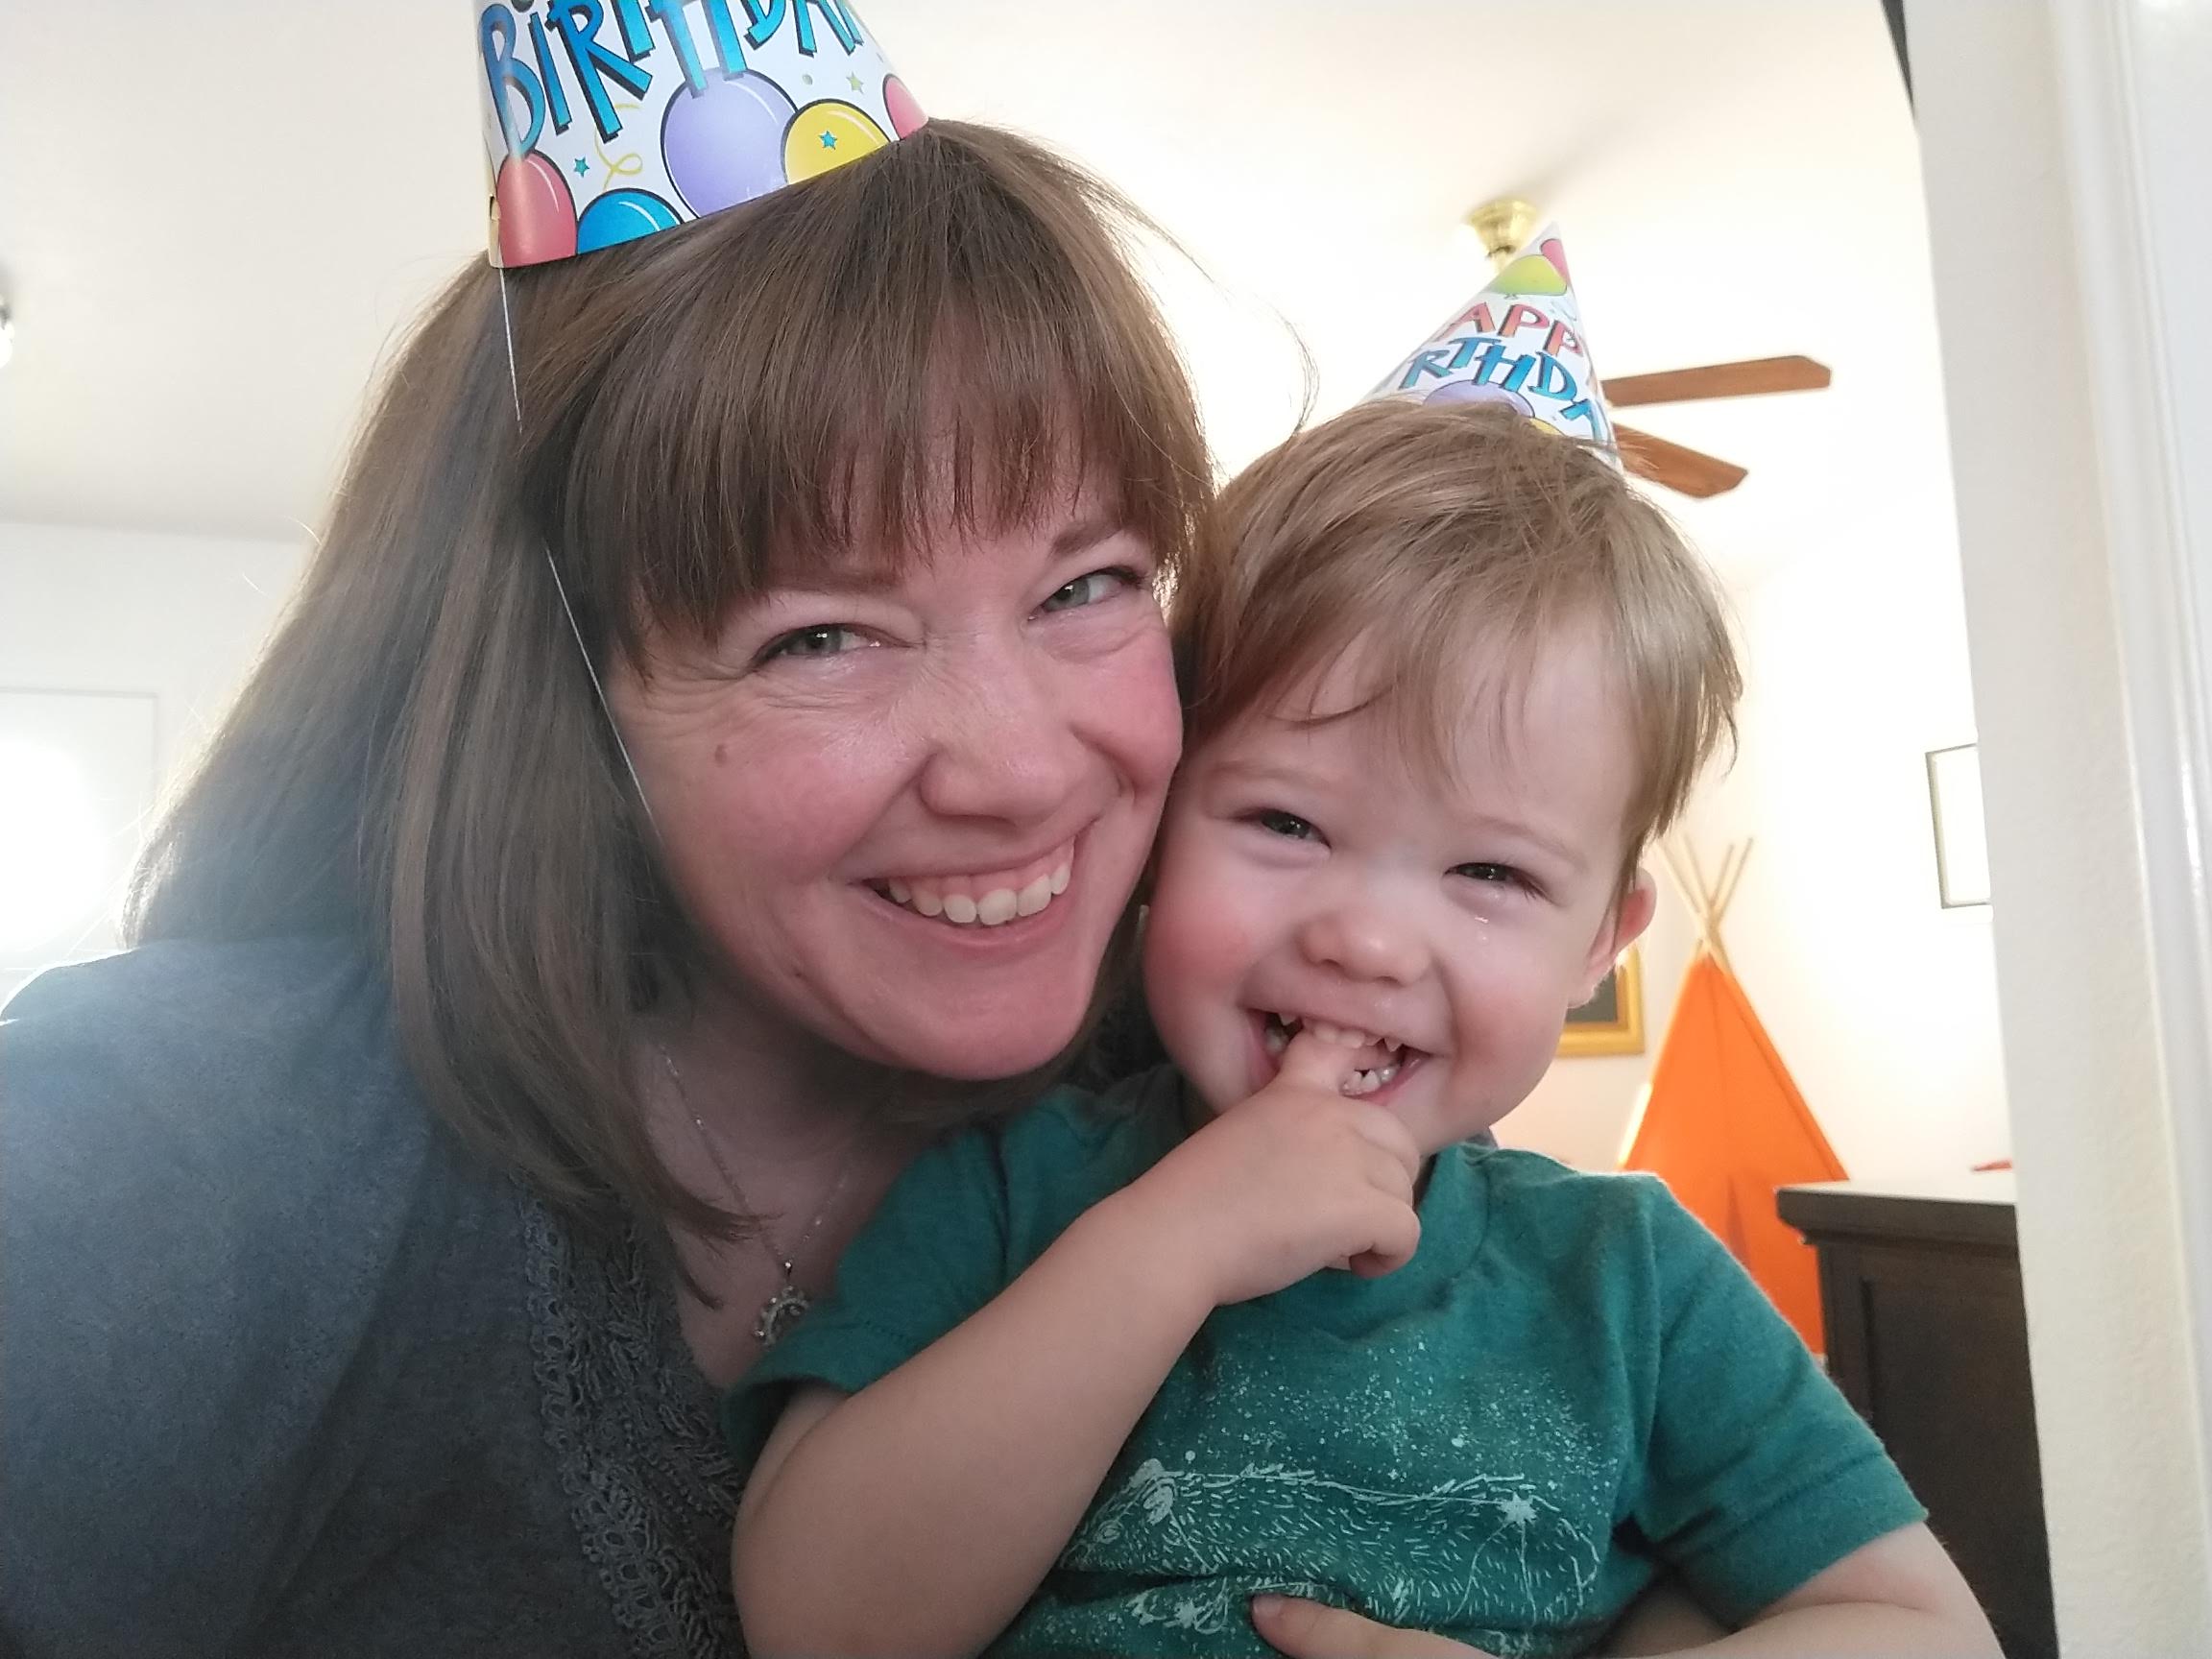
(1612, 1021)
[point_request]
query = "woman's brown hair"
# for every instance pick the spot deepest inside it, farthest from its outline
(419, 760)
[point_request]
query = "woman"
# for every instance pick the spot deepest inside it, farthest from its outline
(378, 1229)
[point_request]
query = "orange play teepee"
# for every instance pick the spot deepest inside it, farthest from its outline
(1722, 1122)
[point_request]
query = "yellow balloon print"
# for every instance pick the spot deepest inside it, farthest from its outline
(826, 134)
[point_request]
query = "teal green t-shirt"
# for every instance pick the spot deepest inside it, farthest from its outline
(1569, 1385)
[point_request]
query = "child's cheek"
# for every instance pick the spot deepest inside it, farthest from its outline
(1190, 946)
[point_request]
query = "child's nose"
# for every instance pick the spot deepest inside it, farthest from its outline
(1362, 943)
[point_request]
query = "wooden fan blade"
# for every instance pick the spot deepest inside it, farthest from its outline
(1691, 471)
(1747, 380)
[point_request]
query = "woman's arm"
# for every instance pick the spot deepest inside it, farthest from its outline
(1897, 1598)
(1666, 1618)
(917, 1516)
(210, 1167)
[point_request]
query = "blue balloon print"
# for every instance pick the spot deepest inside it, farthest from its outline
(622, 216)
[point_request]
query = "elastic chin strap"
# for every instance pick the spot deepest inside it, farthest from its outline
(560, 587)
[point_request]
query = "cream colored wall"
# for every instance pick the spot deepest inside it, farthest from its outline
(2072, 401)
(1840, 555)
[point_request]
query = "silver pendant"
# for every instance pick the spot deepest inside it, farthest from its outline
(780, 1313)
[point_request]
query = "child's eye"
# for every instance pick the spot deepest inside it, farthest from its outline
(1285, 824)
(1494, 875)
(1090, 590)
(823, 639)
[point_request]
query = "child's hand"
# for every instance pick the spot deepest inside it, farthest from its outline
(1297, 1178)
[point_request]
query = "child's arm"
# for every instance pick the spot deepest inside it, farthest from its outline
(1766, 1491)
(1899, 1595)
(916, 1517)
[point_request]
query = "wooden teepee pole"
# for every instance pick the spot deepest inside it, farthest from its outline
(1730, 881)
(1708, 901)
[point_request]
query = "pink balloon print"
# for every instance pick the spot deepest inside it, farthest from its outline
(899, 104)
(537, 214)
(1557, 254)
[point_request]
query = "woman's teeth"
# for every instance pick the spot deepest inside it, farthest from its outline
(970, 902)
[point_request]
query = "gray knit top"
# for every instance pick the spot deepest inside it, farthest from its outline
(284, 1371)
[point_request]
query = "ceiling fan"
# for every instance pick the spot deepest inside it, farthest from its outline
(1505, 226)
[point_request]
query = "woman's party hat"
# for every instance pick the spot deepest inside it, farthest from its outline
(607, 120)
(1518, 343)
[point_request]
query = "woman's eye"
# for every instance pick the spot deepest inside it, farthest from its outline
(823, 639)
(1089, 589)
(1288, 825)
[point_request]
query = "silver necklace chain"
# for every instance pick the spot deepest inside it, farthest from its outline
(789, 1304)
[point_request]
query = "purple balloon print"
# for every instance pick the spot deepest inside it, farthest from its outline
(724, 145)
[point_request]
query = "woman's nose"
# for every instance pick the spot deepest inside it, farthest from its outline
(1004, 745)
(1364, 940)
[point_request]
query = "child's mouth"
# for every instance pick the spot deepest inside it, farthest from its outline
(1378, 1061)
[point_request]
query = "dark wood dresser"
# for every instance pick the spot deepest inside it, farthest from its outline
(1928, 1337)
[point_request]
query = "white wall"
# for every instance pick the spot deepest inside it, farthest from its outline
(179, 618)
(2064, 186)
(1840, 554)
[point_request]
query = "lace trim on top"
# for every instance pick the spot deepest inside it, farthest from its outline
(632, 1424)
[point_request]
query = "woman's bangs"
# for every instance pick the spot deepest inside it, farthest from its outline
(928, 343)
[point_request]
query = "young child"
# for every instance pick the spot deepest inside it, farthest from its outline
(1097, 1378)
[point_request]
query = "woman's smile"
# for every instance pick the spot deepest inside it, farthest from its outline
(1015, 891)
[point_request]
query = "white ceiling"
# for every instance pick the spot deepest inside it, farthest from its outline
(216, 217)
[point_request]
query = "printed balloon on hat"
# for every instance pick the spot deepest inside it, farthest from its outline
(607, 120)
(1517, 344)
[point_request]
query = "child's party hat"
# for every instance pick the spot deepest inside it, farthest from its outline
(607, 120)
(1518, 343)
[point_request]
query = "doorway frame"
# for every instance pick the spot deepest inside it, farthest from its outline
(2056, 138)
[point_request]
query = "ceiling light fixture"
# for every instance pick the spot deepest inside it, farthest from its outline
(1503, 226)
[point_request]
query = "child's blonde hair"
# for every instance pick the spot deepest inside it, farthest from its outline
(1459, 532)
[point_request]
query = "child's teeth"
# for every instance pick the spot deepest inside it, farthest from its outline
(995, 906)
(1367, 1082)
(1034, 897)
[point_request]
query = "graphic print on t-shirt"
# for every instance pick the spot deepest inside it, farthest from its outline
(1467, 1504)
